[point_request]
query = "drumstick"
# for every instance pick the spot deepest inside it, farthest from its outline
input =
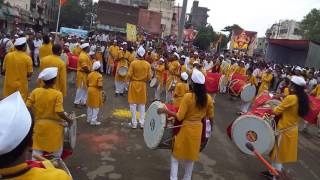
(261, 158)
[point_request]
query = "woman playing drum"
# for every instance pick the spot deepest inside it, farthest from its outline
(193, 108)
(292, 107)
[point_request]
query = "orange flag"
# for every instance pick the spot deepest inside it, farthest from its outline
(62, 2)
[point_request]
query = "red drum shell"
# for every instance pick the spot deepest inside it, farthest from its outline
(236, 86)
(237, 76)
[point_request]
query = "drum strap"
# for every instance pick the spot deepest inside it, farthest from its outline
(280, 131)
(189, 123)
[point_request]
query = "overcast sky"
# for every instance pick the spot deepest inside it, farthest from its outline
(254, 15)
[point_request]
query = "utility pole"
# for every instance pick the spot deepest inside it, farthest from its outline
(182, 21)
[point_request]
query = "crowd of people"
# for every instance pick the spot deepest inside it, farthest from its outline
(180, 73)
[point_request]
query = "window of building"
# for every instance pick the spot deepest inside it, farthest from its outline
(283, 31)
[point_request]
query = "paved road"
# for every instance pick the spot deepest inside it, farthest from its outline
(114, 151)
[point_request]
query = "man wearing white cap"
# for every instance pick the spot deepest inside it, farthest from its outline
(159, 69)
(139, 73)
(17, 68)
(84, 68)
(37, 44)
(174, 75)
(14, 147)
(47, 106)
(292, 108)
(95, 87)
(54, 60)
(46, 47)
(113, 55)
(193, 108)
(181, 89)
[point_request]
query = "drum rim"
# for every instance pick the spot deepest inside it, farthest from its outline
(163, 119)
(260, 119)
(243, 90)
(120, 70)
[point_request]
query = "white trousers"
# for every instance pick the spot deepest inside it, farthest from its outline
(120, 86)
(36, 57)
(92, 114)
(72, 77)
(245, 106)
(188, 167)
(133, 109)
(158, 91)
(56, 154)
(81, 96)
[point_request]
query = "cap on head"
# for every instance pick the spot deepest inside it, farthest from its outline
(15, 118)
(84, 45)
(141, 51)
(298, 80)
(197, 77)
(184, 76)
(20, 41)
(96, 65)
(48, 73)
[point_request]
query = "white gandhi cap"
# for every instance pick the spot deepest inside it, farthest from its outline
(20, 41)
(15, 122)
(48, 73)
(96, 65)
(197, 77)
(298, 80)
(84, 45)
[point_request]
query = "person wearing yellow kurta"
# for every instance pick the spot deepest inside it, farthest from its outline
(181, 89)
(46, 103)
(291, 109)
(113, 55)
(84, 68)
(14, 147)
(174, 75)
(241, 69)
(139, 73)
(77, 50)
(17, 68)
(159, 69)
(55, 61)
(46, 48)
(194, 107)
(121, 80)
(251, 79)
(265, 81)
(95, 101)
(316, 91)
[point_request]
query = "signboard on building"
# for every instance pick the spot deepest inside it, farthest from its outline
(74, 32)
(131, 32)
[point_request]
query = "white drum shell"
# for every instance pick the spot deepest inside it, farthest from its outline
(70, 136)
(265, 134)
(248, 93)
(122, 71)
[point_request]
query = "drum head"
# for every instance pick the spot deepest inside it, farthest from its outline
(153, 82)
(253, 129)
(248, 93)
(154, 125)
(221, 83)
(123, 71)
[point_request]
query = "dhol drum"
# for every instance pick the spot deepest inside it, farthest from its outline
(265, 99)
(257, 128)
(70, 134)
(154, 82)
(214, 82)
(237, 76)
(123, 71)
(158, 133)
(240, 88)
(312, 116)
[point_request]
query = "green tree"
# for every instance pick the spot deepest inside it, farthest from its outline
(310, 25)
(230, 29)
(205, 36)
(72, 14)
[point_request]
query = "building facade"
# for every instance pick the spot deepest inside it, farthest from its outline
(166, 8)
(285, 29)
(198, 16)
(141, 3)
(23, 4)
(176, 20)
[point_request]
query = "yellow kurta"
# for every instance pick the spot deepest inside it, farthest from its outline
(173, 72)
(159, 73)
(84, 61)
(286, 149)
(187, 141)
(122, 63)
(95, 81)
(265, 82)
(16, 65)
(45, 50)
(48, 173)
(179, 91)
(113, 54)
(61, 79)
(47, 132)
(242, 71)
(316, 91)
(76, 51)
(252, 80)
(139, 73)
